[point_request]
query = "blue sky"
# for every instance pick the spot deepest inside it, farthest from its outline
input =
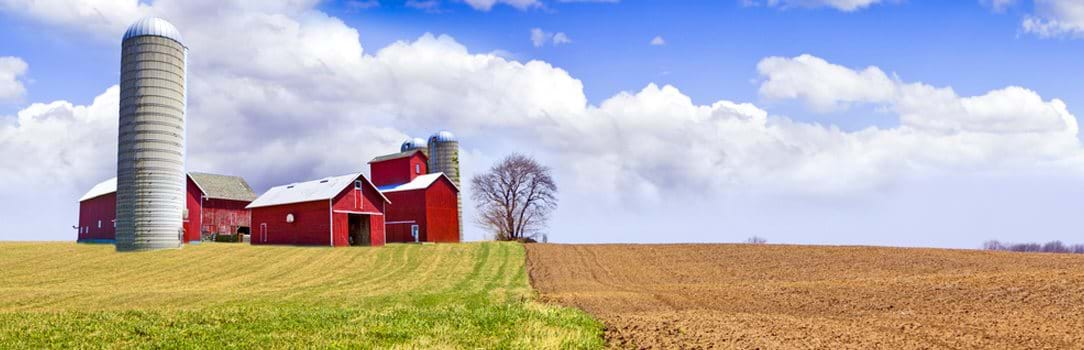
(798, 155)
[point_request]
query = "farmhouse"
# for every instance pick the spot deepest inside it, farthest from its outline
(424, 205)
(213, 204)
(334, 211)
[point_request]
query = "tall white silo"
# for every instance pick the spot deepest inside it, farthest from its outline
(151, 148)
(444, 158)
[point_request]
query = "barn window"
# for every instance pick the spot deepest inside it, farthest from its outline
(99, 223)
(417, 168)
(357, 185)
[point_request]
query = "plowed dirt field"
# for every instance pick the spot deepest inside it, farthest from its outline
(782, 297)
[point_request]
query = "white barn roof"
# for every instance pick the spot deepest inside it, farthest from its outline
(322, 189)
(420, 182)
(101, 189)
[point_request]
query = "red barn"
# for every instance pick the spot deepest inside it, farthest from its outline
(215, 203)
(334, 211)
(424, 204)
(98, 213)
(427, 204)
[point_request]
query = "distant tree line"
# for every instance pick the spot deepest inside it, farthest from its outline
(1049, 247)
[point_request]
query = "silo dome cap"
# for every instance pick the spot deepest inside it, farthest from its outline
(413, 143)
(443, 136)
(153, 26)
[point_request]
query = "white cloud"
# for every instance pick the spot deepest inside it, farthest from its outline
(561, 38)
(486, 5)
(540, 38)
(11, 88)
(53, 141)
(273, 88)
(98, 16)
(658, 41)
(1054, 18)
(825, 87)
(999, 5)
(425, 5)
(362, 4)
(842, 5)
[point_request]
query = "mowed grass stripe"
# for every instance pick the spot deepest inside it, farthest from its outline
(60, 295)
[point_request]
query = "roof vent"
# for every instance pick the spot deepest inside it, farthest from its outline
(323, 181)
(291, 186)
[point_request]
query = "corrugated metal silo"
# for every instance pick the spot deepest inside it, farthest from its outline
(444, 158)
(151, 148)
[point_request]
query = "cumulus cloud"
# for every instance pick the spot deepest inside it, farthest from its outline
(658, 41)
(824, 86)
(11, 88)
(53, 141)
(842, 5)
(1053, 18)
(97, 16)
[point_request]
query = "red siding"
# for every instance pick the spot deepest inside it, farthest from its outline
(195, 212)
(225, 216)
(433, 209)
(314, 223)
(407, 208)
(442, 212)
(399, 170)
(310, 226)
(91, 211)
(368, 200)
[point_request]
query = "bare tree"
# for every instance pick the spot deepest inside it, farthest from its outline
(756, 240)
(514, 198)
(993, 245)
(1049, 247)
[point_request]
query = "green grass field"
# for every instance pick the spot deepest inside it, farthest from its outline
(62, 295)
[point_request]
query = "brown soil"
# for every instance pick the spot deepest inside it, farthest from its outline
(781, 297)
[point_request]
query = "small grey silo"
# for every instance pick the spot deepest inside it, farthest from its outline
(444, 158)
(151, 145)
(413, 144)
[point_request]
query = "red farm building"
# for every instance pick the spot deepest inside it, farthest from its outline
(334, 211)
(98, 213)
(214, 204)
(424, 206)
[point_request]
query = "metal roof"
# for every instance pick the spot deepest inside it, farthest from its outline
(396, 155)
(322, 189)
(414, 143)
(101, 189)
(420, 182)
(223, 186)
(443, 136)
(213, 186)
(154, 26)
